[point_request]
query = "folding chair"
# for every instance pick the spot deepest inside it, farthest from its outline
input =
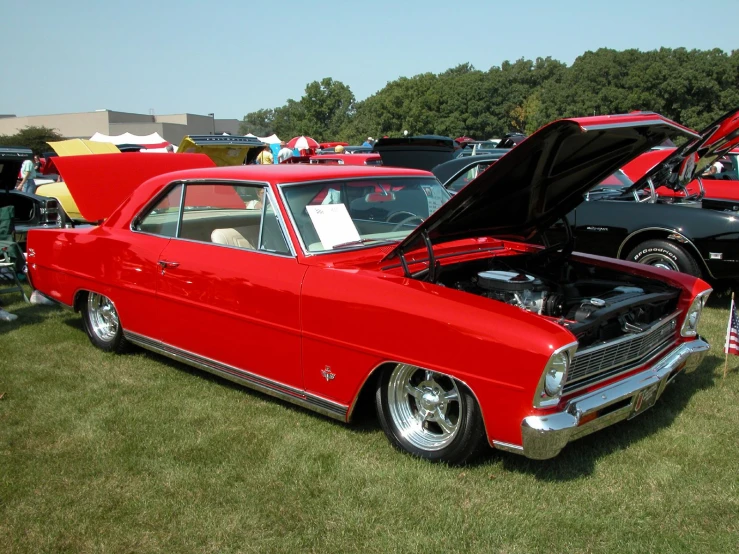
(11, 256)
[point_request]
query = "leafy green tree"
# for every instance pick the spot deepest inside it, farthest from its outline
(693, 87)
(259, 123)
(327, 106)
(32, 137)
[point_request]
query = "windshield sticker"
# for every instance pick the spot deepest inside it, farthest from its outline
(433, 197)
(333, 224)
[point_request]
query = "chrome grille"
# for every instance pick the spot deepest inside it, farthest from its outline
(605, 360)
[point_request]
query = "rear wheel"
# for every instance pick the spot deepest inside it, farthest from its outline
(429, 414)
(665, 254)
(102, 324)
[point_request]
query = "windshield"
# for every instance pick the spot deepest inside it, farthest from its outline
(361, 212)
(617, 179)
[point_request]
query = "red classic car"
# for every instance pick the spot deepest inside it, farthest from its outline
(346, 159)
(333, 281)
(722, 185)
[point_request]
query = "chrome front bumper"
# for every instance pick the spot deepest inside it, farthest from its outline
(545, 436)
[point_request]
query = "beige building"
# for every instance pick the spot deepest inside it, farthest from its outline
(83, 125)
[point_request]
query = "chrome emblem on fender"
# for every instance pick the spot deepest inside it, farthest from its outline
(327, 374)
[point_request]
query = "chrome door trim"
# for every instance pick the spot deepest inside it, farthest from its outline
(279, 390)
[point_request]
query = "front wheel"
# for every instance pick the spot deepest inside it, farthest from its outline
(665, 254)
(102, 325)
(429, 414)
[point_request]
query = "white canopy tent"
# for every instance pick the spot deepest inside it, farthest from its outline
(272, 139)
(128, 138)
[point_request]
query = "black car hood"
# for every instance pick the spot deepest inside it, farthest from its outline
(543, 178)
(423, 152)
(693, 158)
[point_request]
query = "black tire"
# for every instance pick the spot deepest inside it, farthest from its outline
(440, 422)
(102, 324)
(665, 254)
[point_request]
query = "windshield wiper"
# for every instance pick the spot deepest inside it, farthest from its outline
(359, 242)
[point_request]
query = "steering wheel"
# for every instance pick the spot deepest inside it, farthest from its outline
(411, 217)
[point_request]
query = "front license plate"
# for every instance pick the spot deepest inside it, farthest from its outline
(644, 400)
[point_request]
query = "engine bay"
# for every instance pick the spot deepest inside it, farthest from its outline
(596, 304)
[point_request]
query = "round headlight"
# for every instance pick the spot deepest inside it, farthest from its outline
(556, 374)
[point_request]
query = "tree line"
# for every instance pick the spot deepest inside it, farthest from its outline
(692, 87)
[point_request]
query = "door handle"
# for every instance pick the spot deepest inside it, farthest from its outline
(168, 265)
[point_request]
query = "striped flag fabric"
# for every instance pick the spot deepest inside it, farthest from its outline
(732, 331)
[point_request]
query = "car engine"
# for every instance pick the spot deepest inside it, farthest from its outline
(596, 304)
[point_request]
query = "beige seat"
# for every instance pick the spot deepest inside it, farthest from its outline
(230, 237)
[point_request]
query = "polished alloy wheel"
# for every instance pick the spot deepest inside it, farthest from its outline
(103, 316)
(657, 259)
(425, 406)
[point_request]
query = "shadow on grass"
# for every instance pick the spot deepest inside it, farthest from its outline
(579, 458)
(28, 314)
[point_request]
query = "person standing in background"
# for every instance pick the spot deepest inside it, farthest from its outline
(265, 156)
(28, 177)
(284, 152)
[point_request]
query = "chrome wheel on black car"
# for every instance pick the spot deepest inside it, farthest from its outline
(429, 414)
(666, 255)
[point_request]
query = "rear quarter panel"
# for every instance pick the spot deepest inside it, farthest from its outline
(110, 262)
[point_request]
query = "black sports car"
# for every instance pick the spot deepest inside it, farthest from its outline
(627, 220)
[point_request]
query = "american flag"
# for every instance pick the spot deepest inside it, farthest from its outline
(732, 332)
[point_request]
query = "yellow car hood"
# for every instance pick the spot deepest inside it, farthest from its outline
(222, 149)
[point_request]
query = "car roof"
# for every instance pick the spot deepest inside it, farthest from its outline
(290, 173)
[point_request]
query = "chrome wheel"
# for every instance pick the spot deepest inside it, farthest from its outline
(103, 317)
(424, 406)
(657, 259)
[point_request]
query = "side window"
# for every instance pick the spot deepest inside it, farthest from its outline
(272, 238)
(222, 213)
(461, 181)
(163, 217)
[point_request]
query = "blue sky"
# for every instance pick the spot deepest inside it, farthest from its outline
(231, 57)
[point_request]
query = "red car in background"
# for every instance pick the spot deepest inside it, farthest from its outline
(722, 185)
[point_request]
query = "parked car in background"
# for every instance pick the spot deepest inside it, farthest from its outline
(459, 172)
(349, 280)
(31, 210)
(417, 152)
(724, 184)
(346, 159)
(686, 232)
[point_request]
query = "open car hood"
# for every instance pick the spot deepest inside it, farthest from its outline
(692, 159)
(98, 184)
(422, 152)
(543, 178)
(80, 147)
(222, 149)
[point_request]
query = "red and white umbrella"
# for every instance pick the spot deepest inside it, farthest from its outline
(302, 143)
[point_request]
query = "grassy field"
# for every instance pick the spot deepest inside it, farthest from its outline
(134, 453)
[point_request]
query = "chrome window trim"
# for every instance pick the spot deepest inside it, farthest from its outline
(288, 213)
(235, 182)
(271, 387)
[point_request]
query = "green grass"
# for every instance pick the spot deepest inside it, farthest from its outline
(134, 453)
